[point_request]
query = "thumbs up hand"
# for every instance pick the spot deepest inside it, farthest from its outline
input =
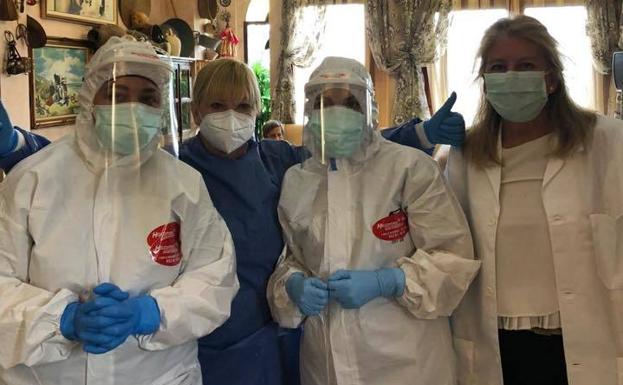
(445, 126)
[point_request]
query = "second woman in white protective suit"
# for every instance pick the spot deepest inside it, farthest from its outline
(378, 250)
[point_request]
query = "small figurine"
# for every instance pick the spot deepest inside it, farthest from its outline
(229, 40)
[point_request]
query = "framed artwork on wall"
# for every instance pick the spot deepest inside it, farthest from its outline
(81, 11)
(55, 80)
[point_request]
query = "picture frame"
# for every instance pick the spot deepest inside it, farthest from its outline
(55, 80)
(91, 12)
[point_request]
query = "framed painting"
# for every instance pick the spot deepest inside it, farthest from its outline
(81, 11)
(55, 80)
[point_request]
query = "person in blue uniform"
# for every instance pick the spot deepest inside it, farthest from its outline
(15, 143)
(244, 177)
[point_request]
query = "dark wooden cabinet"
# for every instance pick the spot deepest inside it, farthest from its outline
(183, 83)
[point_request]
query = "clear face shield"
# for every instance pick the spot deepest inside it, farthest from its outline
(339, 120)
(131, 120)
(133, 113)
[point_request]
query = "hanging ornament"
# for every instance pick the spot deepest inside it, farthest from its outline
(15, 63)
(229, 40)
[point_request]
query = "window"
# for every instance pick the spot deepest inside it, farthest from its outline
(344, 36)
(257, 33)
(565, 24)
(568, 26)
(464, 35)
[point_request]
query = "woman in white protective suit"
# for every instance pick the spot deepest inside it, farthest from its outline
(379, 253)
(113, 260)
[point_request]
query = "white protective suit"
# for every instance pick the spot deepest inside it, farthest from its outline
(583, 200)
(386, 206)
(69, 222)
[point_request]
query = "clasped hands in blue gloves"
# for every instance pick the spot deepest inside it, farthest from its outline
(350, 288)
(445, 126)
(354, 288)
(109, 318)
(8, 134)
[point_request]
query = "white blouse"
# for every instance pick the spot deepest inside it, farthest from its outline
(526, 282)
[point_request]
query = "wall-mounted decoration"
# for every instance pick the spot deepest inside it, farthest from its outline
(8, 10)
(81, 11)
(58, 73)
(131, 9)
(15, 64)
(36, 36)
(208, 9)
(182, 30)
(229, 40)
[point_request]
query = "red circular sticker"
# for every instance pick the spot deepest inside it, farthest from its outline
(393, 227)
(164, 244)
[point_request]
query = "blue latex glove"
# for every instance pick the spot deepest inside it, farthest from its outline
(8, 134)
(79, 320)
(138, 315)
(311, 295)
(445, 126)
(110, 290)
(354, 288)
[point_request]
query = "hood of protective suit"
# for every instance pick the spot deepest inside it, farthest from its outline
(349, 75)
(117, 58)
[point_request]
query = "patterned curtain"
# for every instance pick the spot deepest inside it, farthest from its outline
(604, 29)
(404, 35)
(511, 4)
(479, 4)
(301, 36)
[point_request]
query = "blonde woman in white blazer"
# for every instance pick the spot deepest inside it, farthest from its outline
(541, 183)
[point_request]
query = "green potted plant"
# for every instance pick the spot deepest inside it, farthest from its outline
(263, 81)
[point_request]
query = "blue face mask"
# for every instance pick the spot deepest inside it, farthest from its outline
(135, 126)
(343, 129)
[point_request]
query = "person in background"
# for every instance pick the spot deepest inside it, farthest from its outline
(113, 260)
(243, 177)
(273, 129)
(378, 250)
(541, 182)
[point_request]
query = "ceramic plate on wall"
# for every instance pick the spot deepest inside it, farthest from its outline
(185, 34)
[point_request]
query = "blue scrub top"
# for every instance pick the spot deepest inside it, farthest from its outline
(34, 143)
(245, 192)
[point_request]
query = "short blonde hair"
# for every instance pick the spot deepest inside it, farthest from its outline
(572, 125)
(224, 78)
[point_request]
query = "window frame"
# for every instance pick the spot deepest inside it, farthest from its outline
(246, 34)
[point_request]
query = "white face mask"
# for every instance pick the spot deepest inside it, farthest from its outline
(227, 130)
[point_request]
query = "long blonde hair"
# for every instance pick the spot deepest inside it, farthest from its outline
(223, 78)
(572, 124)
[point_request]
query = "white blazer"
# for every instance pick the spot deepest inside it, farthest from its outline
(583, 200)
